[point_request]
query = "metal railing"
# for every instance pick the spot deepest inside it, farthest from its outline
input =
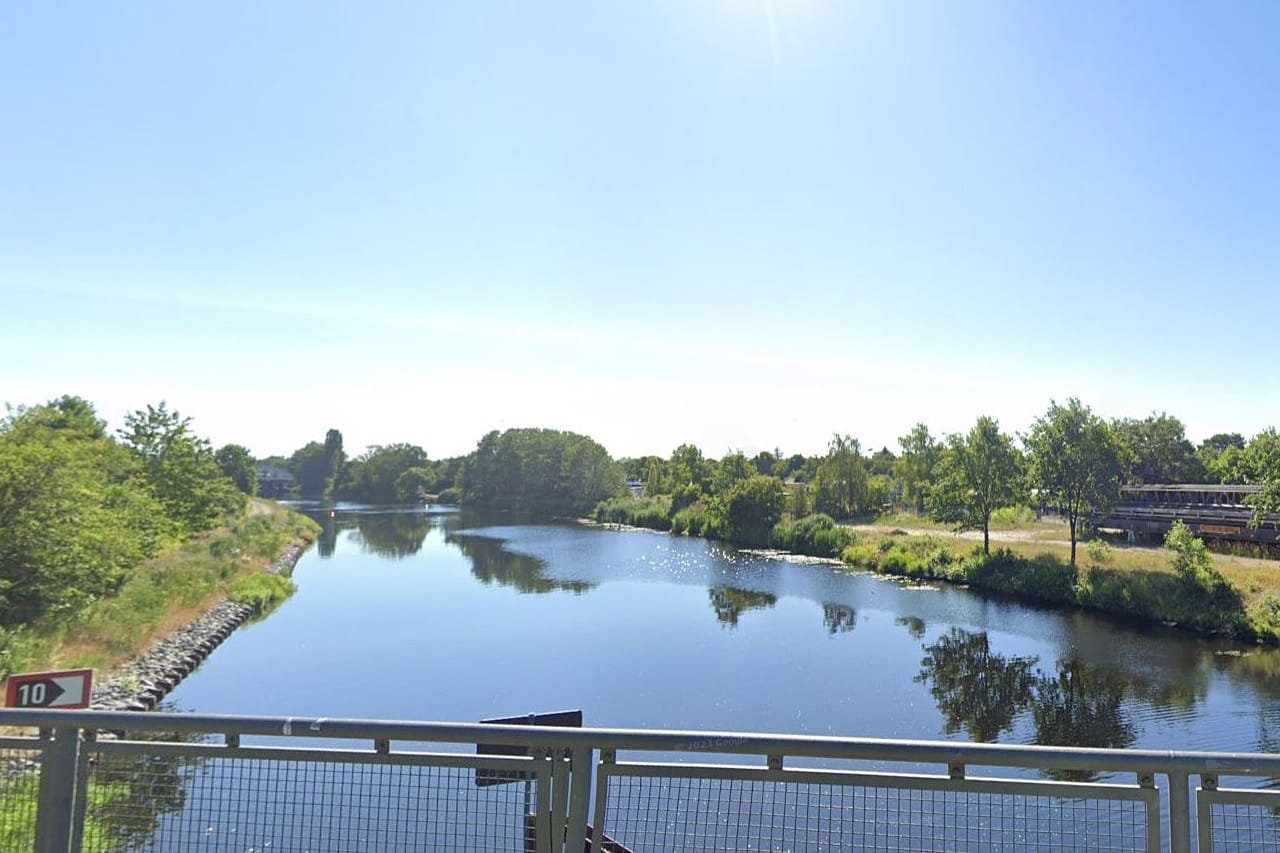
(106, 781)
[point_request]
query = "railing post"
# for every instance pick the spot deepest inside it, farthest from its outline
(582, 761)
(1179, 813)
(59, 763)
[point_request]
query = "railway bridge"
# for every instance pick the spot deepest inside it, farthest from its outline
(1218, 513)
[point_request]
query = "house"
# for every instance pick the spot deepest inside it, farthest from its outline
(274, 481)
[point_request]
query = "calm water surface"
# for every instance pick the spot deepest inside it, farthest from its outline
(457, 616)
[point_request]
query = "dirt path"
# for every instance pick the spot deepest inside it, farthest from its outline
(1046, 536)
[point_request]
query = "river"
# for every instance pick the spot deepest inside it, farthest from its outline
(441, 615)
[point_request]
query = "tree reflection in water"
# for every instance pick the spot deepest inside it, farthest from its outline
(983, 692)
(914, 624)
(839, 618)
(492, 563)
(975, 688)
(730, 602)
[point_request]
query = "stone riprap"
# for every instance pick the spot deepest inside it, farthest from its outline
(140, 684)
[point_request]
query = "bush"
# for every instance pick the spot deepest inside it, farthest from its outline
(451, 496)
(262, 591)
(1191, 560)
(1044, 577)
(651, 512)
(815, 535)
(1012, 516)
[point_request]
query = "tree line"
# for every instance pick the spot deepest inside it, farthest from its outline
(1071, 460)
(80, 507)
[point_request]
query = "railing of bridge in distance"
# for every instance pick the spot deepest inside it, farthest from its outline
(221, 783)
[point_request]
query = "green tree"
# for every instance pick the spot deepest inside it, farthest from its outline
(1260, 465)
(840, 484)
(312, 470)
(1077, 463)
(1159, 451)
(751, 508)
(180, 468)
(733, 468)
(977, 474)
(688, 465)
(764, 462)
(540, 470)
(412, 484)
(236, 464)
(371, 477)
(1191, 560)
(914, 468)
(74, 515)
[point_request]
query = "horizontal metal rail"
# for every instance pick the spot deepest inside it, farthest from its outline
(642, 740)
(566, 792)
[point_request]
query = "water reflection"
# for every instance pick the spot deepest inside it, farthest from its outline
(976, 689)
(839, 618)
(491, 563)
(914, 624)
(984, 693)
(1081, 706)
(730, 602)
(394, 535)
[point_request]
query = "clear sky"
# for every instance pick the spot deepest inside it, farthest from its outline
(740, 223)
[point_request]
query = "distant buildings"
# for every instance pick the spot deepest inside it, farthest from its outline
(636, 487)
(275, 482)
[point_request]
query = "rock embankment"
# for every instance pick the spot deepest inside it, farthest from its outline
(140, 684)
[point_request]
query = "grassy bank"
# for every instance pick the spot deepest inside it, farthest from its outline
(1241, 597)
(164, 593)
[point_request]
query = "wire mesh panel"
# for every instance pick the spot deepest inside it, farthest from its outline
(19, 797)
(199, 801)
(1233, 819)
(798, 811)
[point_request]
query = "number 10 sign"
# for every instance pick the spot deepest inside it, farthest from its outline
(67, 689)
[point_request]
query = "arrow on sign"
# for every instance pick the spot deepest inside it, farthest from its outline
(50, 689)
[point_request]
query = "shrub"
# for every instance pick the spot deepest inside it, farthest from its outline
(816, 535)
(651, 512)
(261, 591)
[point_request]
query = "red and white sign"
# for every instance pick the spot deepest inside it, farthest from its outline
(67, 689)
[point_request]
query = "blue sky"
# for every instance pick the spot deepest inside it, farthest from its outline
(741, 223)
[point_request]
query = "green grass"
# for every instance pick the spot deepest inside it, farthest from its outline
(160, 595)
(1241, 597)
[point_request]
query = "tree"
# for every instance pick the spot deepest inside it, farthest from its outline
(920, 452)
(180, 468)
(371, 477)
(1191, 560)
(75, 515)
(840, 484)
(236, 464)
(882, 463)
(540, 470)
(1220, 457)
(312, 470)
(1261, 465)
(1159, 450)
(764, 461)
(1077, 463)
(751, 508)
(977, 474)
(412, 484)
(732, 468)
(688, 465)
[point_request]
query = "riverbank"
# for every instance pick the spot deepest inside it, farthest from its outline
(174, 609)
(1241, 598)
